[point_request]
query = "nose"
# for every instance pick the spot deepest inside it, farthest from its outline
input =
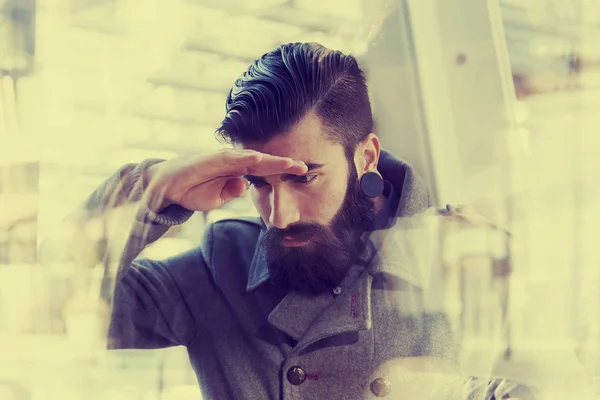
(284, 210)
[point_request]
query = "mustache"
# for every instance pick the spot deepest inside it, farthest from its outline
(299, 232)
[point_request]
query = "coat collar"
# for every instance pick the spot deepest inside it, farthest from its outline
(258, 273)
(408, 249)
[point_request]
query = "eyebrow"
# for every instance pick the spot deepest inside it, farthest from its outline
(312, 165)
(286, 177)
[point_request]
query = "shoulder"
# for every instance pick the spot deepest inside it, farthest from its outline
(239, 222)
(452, 219)
(238, 229)
(227, 242)
(230, 235)
(469, 216)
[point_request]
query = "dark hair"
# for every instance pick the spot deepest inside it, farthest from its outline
(282, 86)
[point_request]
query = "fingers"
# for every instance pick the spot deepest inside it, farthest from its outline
(233, 189)
(272, 165)
(260, 164)
(239, 156)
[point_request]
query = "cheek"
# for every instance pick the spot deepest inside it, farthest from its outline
(318, 203)
(261, 203)
(324, 203)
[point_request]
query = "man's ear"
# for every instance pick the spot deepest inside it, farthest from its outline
(367, 154)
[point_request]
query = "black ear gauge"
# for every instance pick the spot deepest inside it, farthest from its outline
(371, 184)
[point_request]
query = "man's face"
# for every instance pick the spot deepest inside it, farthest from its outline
(313, 222)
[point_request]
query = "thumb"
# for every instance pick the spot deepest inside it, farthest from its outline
(233, 189)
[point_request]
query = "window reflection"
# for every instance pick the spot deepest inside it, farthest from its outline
(111, 89)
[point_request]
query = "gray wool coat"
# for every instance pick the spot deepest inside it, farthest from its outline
(383, 332)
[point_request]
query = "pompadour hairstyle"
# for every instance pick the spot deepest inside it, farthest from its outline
(287, 83)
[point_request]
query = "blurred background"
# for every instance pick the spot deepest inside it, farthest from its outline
(496, 103)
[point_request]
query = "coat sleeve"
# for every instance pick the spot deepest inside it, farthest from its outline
(129, 186)
(497, 389)
(433, 378)
(148, 311)
(159, 303)
(143, 292)
(166, 303)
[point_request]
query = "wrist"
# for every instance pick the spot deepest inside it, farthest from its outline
(155, 196)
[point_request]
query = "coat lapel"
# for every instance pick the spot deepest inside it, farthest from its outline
(258, 273)
(351, 311)
(397, 251)
(310, 318)
(296, 313)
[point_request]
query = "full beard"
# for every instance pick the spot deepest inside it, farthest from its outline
(324, 260)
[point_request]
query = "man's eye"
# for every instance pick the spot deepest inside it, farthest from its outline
(257, 182)
(305, 178)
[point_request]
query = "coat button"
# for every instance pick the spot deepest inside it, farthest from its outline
(337, 290)
(296, 375)
(381, 387)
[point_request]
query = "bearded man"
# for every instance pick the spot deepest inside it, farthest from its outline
(328, 294)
